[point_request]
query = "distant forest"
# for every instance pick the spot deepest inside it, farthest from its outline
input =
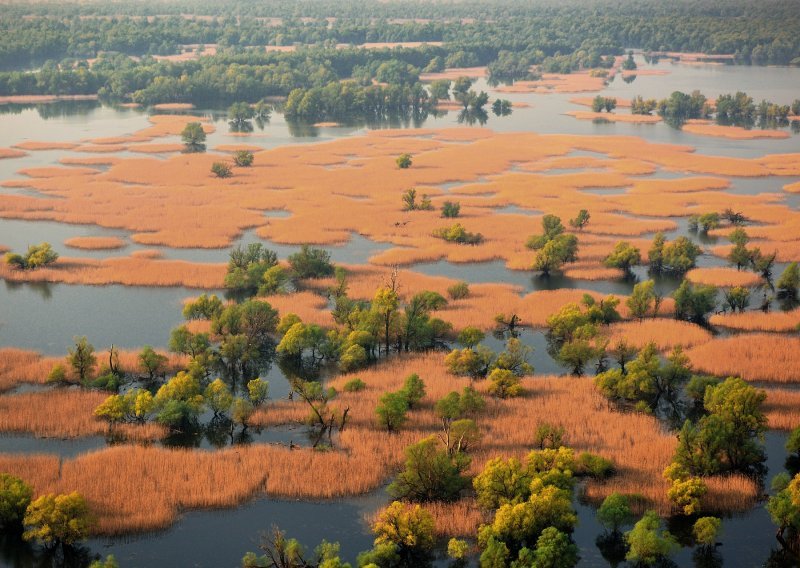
(44, 47)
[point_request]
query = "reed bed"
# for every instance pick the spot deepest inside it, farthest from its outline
(308, 306)
(35, 145)
(169, 481)
(62, 413)
(155, 148)
(152, 196)
(758, 320)
(665, 333)
(20, 366)
(707, 128)
(11, 153)
(787, 251)
(724, 277)
(592, 271)
(792, 187)
(752, 356)
(128, 271)
(782, 408)
(613, 117)
(95, 243)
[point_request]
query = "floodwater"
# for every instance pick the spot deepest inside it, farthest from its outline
(45, 317)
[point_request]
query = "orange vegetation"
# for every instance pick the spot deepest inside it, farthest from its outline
(665, 333)
(35, 99)
(20, 366)
(612, 117)
(34, 145)
(170, 481)
(308, 306)
(758, 321)
(11, 153)
(707, 128)
(783, 409)
(152, 196)
(173, 106)
(95, 243)
(580, 82)
(63, 413)
(751, 356)
(588, 101)
(454, 73)
(135, 270)
(792, 187)
(723, 277)
(592, 271)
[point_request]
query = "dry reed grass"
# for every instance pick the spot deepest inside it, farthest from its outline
(758, 320)
(11, 153)
(308, 306)
(128, 271)
(751, 356)
(783, 409)
(613, 117)
(36, 145)
(20, 366)
(665, 333)
(724, 277)
(95, 243)
(792, 187)
(169, 481)
(707, 128)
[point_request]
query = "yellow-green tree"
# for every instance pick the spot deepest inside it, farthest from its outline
(58, 519)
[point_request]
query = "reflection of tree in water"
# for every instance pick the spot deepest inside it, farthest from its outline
(44, 289)
(14, 551)
(629, 78)
(471, 116)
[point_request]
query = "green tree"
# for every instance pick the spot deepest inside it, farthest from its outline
(15, 496)
(194, 137)
(258, 391)
(515, 358)
(641, 299)
(403, 161)
(243, 158)
(239, 113)
(451, 209)
(430, 474)
(413, 390)
(218, 397)
(458, 291)
(624, 256)
(82, 358)
(58, 519)
(615, 512)
(501, 482)
(407, 528)
(37, 256)
(694, 301)
(789, 282)
(737, 298)
(554, 549)
(151, 362)
(580, 220)
(706, 530)
(470, 337)
(392, 410)
(311, 263)
(473, 363)
(648, 542)
(504, 384)
(221, 170)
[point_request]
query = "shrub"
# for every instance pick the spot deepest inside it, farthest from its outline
(458, 234)
(221, 170)
(403, 161)
(451, 209)
(458, 291)
(243, 158)
(354, 385)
